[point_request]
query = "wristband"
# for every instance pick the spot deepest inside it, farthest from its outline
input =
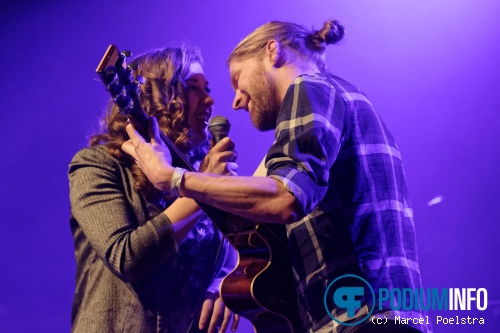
(175, 185)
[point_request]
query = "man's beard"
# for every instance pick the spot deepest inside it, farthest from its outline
(264, 98)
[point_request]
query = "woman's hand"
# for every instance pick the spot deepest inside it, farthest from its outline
(213, 312)
(220, 159)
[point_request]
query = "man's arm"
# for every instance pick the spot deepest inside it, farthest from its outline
(307, 143)
(261, 199)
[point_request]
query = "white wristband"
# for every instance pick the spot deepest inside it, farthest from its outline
(175, 185)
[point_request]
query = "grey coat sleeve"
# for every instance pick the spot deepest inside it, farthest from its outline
(105, 206)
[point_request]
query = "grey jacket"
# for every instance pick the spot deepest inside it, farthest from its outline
(127, 259)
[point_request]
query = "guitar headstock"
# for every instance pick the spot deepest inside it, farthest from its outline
(124, 88)
(119, 79)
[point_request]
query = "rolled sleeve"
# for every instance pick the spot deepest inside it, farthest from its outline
(308, 137)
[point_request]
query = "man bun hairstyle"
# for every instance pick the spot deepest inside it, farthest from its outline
(306, 44)
(332, 32)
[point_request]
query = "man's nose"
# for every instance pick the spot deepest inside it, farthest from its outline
(239, 101)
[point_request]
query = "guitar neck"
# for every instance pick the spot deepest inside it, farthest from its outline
(140, 119)
(227, 223)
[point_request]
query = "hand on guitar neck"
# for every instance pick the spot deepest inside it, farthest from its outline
(156, 163)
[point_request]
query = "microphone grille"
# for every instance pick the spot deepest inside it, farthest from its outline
(218, 121)
(219, 124)
(219, 127)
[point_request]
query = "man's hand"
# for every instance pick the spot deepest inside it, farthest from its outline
(214, 310)
(153, 158)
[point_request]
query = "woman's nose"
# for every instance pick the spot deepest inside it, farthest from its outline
(208, 100)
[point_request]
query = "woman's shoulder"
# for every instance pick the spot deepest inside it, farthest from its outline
(96, 156)
(97, 153)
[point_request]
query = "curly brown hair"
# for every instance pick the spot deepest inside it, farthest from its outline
(163, 96)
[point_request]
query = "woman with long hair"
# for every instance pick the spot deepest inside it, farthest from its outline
(146, 259)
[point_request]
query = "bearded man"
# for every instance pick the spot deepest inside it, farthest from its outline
(334, 177)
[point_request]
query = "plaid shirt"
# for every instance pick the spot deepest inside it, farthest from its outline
(336, 156)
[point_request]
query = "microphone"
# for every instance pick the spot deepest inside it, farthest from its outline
(219, 127)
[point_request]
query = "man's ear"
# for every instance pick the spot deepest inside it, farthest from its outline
(275, 54)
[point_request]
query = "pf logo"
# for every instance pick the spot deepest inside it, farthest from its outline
(348, 292)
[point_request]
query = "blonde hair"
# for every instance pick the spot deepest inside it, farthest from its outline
(308, 44)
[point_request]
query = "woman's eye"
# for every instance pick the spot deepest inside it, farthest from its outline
(194, 88)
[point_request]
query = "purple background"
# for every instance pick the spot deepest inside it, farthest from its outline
(430, 67)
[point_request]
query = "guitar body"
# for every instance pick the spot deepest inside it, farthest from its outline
(261, 288)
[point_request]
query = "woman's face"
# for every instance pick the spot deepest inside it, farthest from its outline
(199, 104)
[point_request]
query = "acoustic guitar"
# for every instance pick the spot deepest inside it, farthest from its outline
(261, 287)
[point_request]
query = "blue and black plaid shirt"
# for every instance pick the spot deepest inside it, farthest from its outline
(336, 156)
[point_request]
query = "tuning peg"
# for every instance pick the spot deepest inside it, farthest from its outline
(116, 79)
(124, 101)
(130, 105)
(128, 75)
(126, 53)
(140, 79)
(133, 65)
